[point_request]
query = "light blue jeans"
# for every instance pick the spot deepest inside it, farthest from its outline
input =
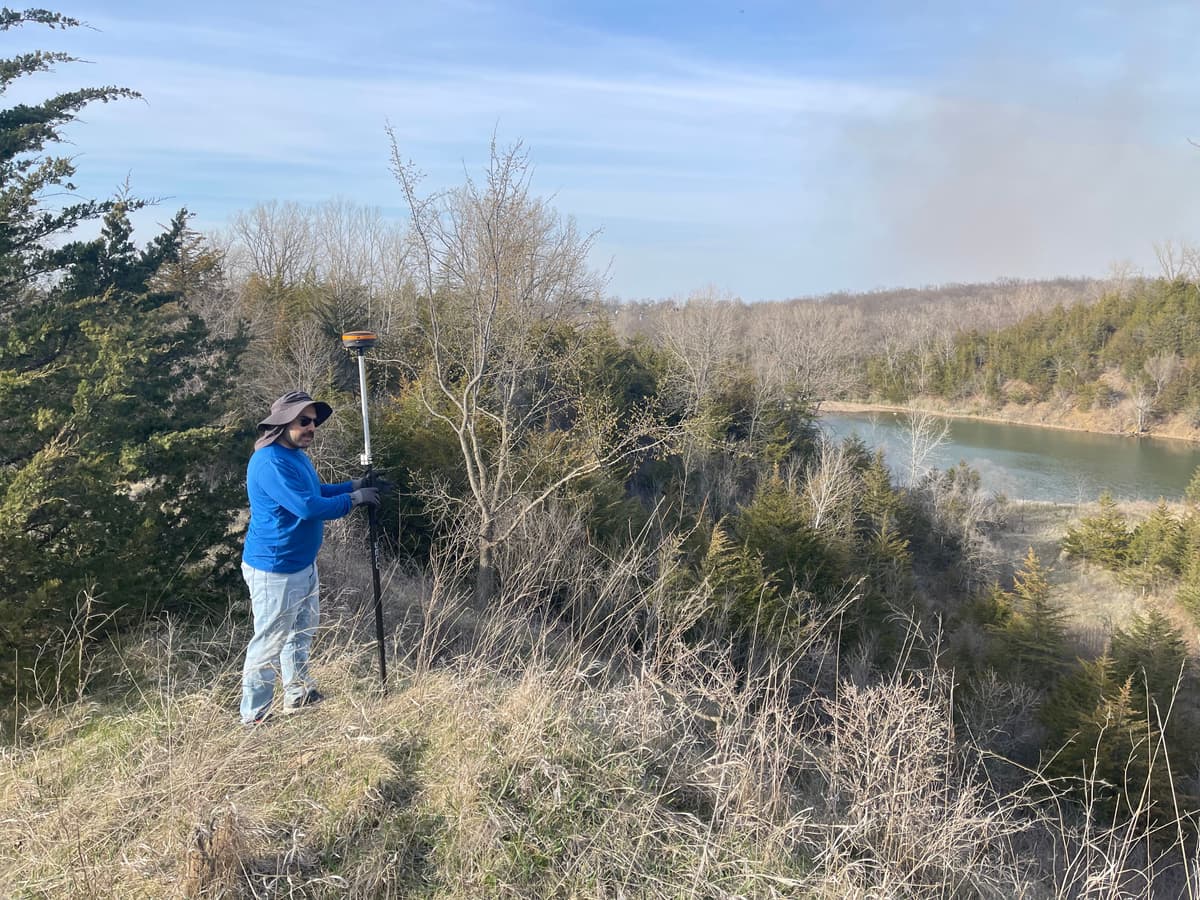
(286, 610)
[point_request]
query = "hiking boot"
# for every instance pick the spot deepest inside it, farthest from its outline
(311, 698)
(262, 718)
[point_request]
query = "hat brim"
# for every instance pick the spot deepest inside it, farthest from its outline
(288, 413)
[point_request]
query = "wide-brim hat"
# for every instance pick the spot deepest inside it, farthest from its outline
(290, 405)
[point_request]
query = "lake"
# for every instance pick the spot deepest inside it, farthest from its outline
(1030, 463)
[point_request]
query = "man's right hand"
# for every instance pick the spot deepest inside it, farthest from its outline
(376, 480)
(367, 495)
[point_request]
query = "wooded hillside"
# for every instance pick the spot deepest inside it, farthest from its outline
(1140, 347)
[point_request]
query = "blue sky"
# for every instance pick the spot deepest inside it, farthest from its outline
(766, 149)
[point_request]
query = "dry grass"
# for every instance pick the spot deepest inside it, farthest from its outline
(518, 754)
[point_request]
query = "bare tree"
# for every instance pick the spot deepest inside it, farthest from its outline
(361, 261)
(821, 345)
(701, 340)
(894, 340)
(805, 349)
(829, 490)
(276, 242)
(1029, 298)
(1142, 402)
(1176, 261)
(1191, 261)
(1162, 368)
(1120, 276)
(925, 433)
(504, 282)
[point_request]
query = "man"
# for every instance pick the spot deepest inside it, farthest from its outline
(288, 509)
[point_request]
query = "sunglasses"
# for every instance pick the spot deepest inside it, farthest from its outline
(305, 421)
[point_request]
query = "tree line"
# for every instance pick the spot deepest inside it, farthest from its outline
(1139, 348)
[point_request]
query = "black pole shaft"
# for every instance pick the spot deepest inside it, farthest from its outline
(373, 518)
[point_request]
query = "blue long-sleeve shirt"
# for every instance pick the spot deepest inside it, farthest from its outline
(288, 509)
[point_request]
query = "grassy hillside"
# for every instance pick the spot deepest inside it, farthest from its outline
(513, 757)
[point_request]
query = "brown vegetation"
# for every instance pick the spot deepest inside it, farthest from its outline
(516, 757)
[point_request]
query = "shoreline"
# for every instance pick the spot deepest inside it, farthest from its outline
(857, 406)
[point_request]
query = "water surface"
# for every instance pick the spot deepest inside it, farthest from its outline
(1031, 463)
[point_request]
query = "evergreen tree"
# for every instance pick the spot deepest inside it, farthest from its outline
(889, 563)
(1153, 652)
(1113, 745)
(116, 486)
(1031, 625)
(1157, 545)
(26, 174)
(1191, 494)
(878, 501)
(1188, 595)
(1151, 332)
(1075, 697)
(740, 589)
(1103, 537)
(775, 525)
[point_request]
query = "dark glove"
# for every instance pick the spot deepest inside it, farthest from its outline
(381, 484)
(375, 480)
(367, 495)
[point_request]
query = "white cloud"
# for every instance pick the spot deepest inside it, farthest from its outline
(766, 175)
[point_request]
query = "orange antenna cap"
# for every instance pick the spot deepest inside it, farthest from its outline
(359, 340)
